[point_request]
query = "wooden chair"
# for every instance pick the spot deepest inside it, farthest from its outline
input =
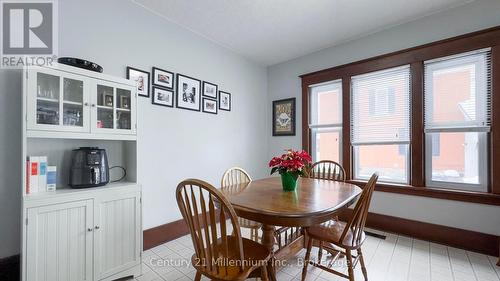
(328, 170)
(229, 257)
(346, 236)
(233, 176)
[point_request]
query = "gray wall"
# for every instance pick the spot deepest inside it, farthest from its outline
(283, 82)
(174, 144)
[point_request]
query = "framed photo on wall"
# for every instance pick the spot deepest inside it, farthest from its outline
(188, 93)
(141, 78)
(209, 105)
(163, 97)
(284, 117)
(210, 90)
(163, 78)
(224, 101)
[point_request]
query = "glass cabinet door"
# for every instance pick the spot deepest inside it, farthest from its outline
(105, 107)
(114, 108)
(47, 99)
(57, 101)
(123, 109)
(73, 102)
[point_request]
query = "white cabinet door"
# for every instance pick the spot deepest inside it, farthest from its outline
(113, 108)
(57, 101)
(117, 231)
(59, 242)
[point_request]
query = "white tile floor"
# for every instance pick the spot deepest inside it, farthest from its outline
(395, 259)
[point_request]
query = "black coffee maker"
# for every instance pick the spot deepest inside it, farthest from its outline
(89, 167)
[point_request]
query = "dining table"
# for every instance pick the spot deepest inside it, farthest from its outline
(314, 201)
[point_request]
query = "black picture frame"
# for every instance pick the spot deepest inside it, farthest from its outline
(155, 71)
(107, 100)
(205, 83)
(221, 94)
(153, 96)
(178, 101)
(203, 105)
(292, 130)
(147, 83)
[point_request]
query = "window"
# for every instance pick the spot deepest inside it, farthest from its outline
(424, 126)
(382, 101)
(380, 124)
(436, 144)
(457, 120)
(326, 121)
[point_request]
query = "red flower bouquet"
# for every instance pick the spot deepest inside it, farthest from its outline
(290, 166)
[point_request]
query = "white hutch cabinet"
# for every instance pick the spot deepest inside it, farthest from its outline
(60, 101)
(80, 234)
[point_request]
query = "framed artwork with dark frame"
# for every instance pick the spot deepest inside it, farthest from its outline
(141, 77)
(284, 117)
(209, 106)
(224, 101)
(163, 78)
(163, 97)
(210, 90)
(188, 93)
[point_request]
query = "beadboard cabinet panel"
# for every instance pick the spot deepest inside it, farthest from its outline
(59, 246)
(117, 233)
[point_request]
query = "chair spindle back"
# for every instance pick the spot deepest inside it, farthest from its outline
(235, 175)
(200, 203)
(327, 170)
(357, 223)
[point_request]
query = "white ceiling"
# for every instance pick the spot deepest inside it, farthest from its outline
(272, 31)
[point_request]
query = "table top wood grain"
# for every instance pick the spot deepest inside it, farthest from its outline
(314, 201)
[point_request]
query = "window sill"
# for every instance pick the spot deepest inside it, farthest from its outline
(440, 193)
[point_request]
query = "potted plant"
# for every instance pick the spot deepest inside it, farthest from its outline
(290, 166)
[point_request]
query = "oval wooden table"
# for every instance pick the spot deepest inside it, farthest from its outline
(315, 201)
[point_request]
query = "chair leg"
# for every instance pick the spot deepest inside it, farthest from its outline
(363, 267)
(197, 277)
(307, 258)
(263, 274)
(349, 265)
(320, 251)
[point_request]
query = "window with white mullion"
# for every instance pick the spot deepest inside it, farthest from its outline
(325, 121)
(380, 124)
(457, 120)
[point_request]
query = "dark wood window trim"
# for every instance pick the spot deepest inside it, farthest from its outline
(415, 58)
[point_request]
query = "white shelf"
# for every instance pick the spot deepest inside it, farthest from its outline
(69, 191)
(48, 99)
(72, 102)
(105, 107)
(73, 135)
(123, 109)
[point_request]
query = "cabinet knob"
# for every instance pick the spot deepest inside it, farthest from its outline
(86, 104)
(93, 105)
(96, 227)
(89, 229)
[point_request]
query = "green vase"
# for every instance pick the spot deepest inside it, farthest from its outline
(289, 181)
